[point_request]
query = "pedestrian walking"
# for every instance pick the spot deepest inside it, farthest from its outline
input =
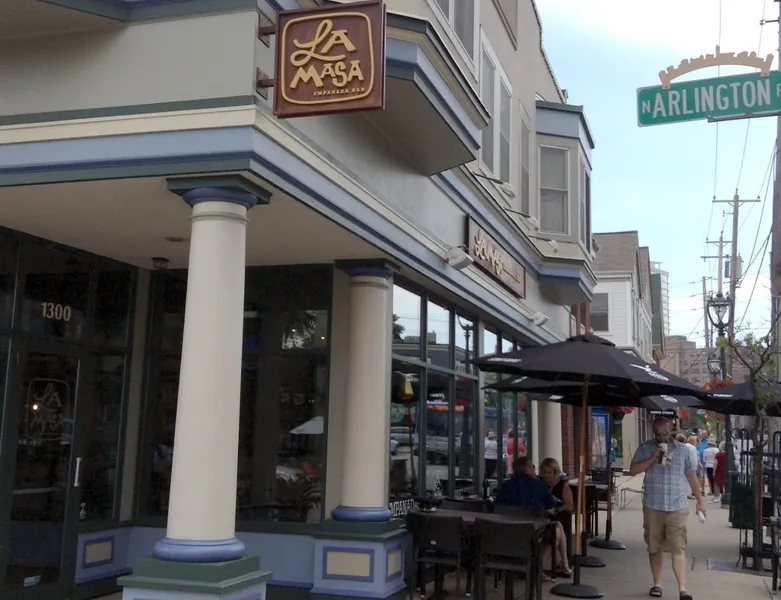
(670, 472)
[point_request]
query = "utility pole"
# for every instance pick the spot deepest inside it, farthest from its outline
(708, 333)
(720, 257)
(734, 273)
(775, 246)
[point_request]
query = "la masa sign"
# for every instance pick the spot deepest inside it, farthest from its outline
(752, 94)
(330, 60)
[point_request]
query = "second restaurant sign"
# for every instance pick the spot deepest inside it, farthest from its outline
(330, 60)
(495, 260)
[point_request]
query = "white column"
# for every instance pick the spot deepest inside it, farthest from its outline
(367, 403)
(550, 431)
(202, 507)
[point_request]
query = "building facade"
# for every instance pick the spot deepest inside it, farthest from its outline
(236, 346)
(622, 311)
(660, 280)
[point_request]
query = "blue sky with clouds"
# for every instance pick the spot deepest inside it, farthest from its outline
(661, 180)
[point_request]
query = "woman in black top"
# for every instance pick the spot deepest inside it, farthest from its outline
(550, 473)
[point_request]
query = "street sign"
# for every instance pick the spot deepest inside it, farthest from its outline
(735, 95)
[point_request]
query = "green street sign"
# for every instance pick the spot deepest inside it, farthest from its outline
(735, 95)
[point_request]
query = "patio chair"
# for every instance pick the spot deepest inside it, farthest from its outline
(509, 548)
(440, 542)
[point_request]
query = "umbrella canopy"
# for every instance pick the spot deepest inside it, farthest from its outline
(313, 426)
(593, 359)
(738, 399)
(571, 392)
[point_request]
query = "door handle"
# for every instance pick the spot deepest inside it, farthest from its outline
(77, 474)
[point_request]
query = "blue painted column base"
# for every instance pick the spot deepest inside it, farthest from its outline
(196, 551)
(361, 514)
(372, 568)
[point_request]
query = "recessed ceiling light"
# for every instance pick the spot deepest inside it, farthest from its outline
(176, 239)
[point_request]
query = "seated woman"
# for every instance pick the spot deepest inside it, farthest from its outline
(525, 490)
(550, 474)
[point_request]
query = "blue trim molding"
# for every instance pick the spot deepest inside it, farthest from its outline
(164, 153)
(197, 551)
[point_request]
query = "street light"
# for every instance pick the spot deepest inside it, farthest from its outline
(719, 314)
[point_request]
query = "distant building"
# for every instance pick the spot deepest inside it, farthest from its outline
(660, 280)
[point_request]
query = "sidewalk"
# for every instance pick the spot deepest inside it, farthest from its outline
(627, 574)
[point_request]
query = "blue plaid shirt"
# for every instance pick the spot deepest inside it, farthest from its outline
(666, 487)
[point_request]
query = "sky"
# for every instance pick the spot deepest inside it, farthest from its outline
(661, 180)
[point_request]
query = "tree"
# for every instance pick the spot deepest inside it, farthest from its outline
(398, 329)
(757, 355)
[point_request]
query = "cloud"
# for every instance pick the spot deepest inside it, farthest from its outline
(689, 26)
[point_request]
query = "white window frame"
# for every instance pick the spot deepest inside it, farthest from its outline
(568, 219)
(583, 173)
(446, 21)
(500, 80)
(608, 314)
(524, 123)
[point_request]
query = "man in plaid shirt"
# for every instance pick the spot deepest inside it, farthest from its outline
(669, 478)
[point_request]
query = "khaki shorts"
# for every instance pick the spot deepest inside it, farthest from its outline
(665, 531)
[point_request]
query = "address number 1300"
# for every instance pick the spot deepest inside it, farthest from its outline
(57, 312)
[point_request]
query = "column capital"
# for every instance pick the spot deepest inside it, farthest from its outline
(368, 268)
(233, 189)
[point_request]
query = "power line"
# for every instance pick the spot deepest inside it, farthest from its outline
(756, 280)
(748, 121)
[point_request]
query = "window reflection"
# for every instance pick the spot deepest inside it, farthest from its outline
(283, 392)
(406, 322)
(464, 344)
(112, 304)
(102, 423)
(8, 256)
(490, 342)
(507, 345)
(404, 435)
(438, 335)
(464, 435)
(55, 293)
(437, 433)
(283, 405)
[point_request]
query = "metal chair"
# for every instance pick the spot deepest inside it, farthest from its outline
(509, 548)
(438, 541)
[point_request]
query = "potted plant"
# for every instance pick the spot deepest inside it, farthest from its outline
(296, 497)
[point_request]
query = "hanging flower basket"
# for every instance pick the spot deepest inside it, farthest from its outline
(619, 412)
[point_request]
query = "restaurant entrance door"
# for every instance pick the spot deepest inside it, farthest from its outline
(40, 474)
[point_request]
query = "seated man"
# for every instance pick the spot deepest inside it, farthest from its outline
(524, 489)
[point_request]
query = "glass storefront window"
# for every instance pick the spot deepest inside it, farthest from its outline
(8, 260)
(404, 436)
(464, 434)
(112, 305)
(490, 342)
(406, 322)
(465, 344)
(283, 406)
(281, 470)
(103, 423)
(438, 335)
(437, 439)
(507, 345)
(55, 292)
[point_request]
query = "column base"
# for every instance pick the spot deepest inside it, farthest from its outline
(354, 560)
(154, 579)
(361, 514)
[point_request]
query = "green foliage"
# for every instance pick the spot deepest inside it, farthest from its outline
(756, 354)
(398, 329)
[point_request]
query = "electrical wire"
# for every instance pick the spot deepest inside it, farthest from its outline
(754, 287)
(748, 121)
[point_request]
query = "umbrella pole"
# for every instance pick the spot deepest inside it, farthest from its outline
(577, 589)
(607, 543)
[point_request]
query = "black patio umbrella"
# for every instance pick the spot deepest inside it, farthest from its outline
(738, 399)
(588, 359)
(569, 392)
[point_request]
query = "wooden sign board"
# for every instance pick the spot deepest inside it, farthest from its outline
(330, 60)
(493, 259)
